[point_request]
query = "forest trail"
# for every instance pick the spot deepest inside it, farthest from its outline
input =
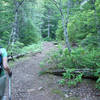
(28, 85)
(26, 82)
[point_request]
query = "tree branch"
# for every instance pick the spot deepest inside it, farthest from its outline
(59, 8)
(19, 5)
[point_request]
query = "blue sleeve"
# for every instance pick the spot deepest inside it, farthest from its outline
(4, 52)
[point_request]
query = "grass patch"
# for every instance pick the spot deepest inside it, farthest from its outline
(58, 92)
(32, 48)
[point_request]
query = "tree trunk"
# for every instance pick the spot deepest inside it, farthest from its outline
(64, 24)
(48, 27)
(66, 35)
(13, 35)
(64, 21)
(14, 29)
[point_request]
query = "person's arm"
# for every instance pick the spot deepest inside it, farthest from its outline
(5, 65)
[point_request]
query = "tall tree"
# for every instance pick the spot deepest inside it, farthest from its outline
(14, 34)
(64, 19)
(50, 19)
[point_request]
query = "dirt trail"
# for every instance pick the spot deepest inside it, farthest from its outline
(28, 85)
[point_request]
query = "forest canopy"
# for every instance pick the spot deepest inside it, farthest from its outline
(28, 21)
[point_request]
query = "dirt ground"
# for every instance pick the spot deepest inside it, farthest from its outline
(28, 85)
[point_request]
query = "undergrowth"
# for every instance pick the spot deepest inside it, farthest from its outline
(19, 48)
(79, 58)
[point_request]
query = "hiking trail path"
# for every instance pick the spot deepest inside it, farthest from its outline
(26, 82)
(28, 85)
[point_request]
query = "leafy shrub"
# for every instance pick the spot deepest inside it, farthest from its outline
(91, 42)
(97, 73)
(79, 58)
(80, 25)
(72, 79)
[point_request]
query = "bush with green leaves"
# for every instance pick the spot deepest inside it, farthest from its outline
(97, 74)
(79, 58)
(71, 78)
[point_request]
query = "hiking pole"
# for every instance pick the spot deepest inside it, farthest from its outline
(10, 88)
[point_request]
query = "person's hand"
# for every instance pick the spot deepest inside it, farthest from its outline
(10, 74)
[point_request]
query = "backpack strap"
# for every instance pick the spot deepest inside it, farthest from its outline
(1, 62)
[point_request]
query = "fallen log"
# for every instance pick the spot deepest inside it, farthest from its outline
(20, 55)
(16, 56)
(87, 73)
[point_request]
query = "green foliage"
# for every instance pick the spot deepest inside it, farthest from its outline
(71, 78)
(29, 33)
(97, 73)
(98, 83)
(50, 16)
(27, 30)
(83, 24)
(36, 47)
(55, 57)
(47, 39)
(97, 4)
(16, 49)
(62, 82)
(68, 74)
(6, 16)
(20, 48)
(79, 58)
(59, 31)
